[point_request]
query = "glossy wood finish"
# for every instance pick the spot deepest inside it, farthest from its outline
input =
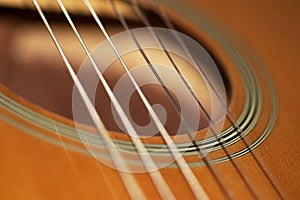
(34, 169)
(274, 38)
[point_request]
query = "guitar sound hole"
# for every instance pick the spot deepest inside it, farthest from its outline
(32, 68)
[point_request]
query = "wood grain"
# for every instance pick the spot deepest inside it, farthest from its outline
(34, 169)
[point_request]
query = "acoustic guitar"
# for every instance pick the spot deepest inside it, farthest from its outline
(169, 99)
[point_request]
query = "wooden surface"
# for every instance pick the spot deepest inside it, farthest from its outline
(271, 29)
(34, 169)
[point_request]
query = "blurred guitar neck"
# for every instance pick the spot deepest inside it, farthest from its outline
(74, 7)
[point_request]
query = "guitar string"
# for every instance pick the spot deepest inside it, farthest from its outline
(98, 116)
(172, 100)
(170, 25)
(130, 183)
(148, 24)
(190, 177)
(128, 180)
(150, 165)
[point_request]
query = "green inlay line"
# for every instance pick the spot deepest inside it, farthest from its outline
(251, 113)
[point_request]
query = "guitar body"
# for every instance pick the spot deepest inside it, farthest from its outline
(42, 156)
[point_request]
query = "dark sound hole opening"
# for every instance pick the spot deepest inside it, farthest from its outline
(32, 68)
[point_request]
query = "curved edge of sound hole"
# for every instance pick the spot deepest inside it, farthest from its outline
(34, 70)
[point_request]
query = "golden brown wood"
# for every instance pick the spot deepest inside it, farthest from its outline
(34, 169)
(274, 38)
